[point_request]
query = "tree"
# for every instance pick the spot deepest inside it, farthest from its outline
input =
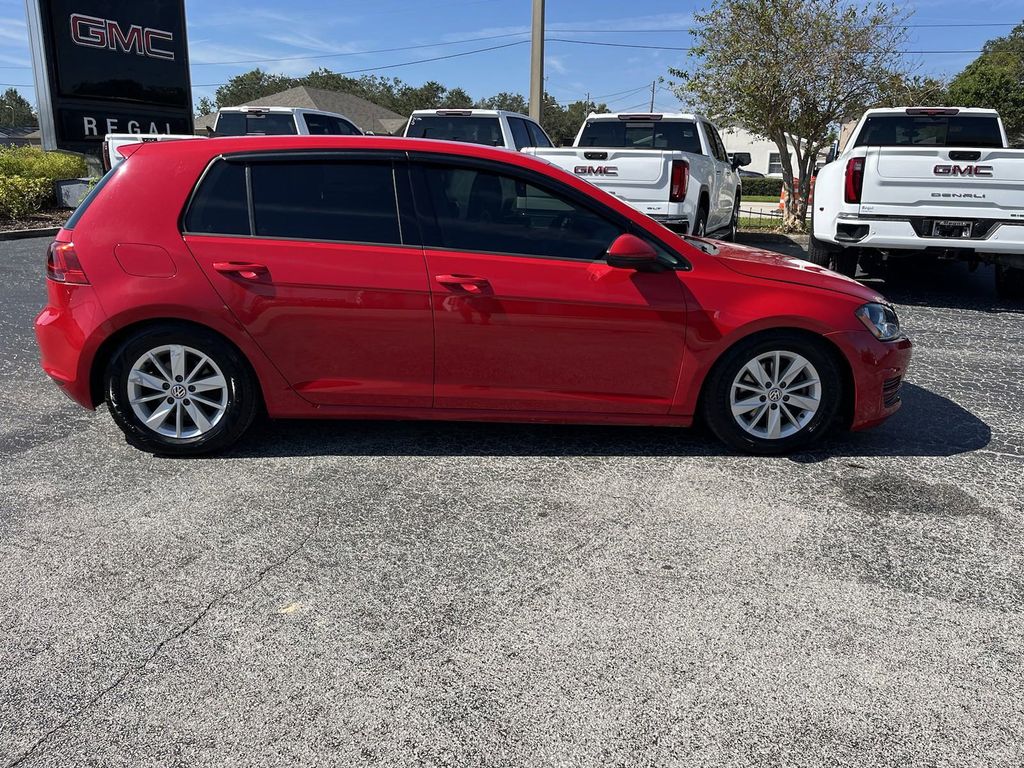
(15, 110)
(996, 80)
(205, 106)
(250, 86)
(791, 70)
(510, 102)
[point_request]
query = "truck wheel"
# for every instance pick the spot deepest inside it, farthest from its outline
(1009, 283)
(841, 260)
(819, 253)
(734, 224)
(700, 224)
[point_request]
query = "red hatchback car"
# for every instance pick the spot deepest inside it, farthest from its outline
(205, 281)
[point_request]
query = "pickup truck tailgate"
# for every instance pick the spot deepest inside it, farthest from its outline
(921, 180)
(636, 175)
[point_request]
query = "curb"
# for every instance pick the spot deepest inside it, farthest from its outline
(22, 234)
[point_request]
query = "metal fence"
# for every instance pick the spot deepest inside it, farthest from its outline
(760, 219)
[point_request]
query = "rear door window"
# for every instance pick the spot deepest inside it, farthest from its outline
(930, 131)
(678, 136)
(474, 130)
(256, 124)
(520, 133)
(219, 206)
(344, 201)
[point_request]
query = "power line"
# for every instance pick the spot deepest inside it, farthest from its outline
(405, 63)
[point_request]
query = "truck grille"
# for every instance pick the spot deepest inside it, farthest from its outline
(891, 391)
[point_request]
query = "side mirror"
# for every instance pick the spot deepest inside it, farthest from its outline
(740, 159)
(630, 252)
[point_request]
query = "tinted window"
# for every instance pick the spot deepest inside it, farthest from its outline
(482, 211)
(520, 133)
(220, 205)
(258, 123)
(475, 130)
(717, 147)
(930, 131)
(537, 136)
(640, 134)
(347, 201)
(325, 125)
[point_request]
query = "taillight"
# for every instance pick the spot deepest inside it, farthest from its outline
(63, 266)
(854, 179)
(680, 181)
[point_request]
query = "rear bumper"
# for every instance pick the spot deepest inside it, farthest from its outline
(1004, 238)
(878, 369)
(66, 331)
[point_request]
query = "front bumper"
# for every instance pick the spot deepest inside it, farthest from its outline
(879, 369)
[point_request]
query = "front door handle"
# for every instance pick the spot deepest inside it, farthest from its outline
(468, 284)
(244, 269)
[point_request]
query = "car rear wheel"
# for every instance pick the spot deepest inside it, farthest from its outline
(180, 392)
(773, 394)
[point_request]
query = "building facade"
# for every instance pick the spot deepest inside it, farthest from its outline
(764, 155)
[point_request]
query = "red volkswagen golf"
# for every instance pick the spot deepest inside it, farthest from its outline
(205, 281)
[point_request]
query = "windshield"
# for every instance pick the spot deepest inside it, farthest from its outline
(642, 134)
(930, 131)
(255, 123)
(475, 130)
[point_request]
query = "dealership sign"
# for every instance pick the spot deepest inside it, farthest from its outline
(109, 66)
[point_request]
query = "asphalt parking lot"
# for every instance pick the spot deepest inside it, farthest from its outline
(461, 595)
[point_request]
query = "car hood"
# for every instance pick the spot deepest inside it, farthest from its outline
(769, 265)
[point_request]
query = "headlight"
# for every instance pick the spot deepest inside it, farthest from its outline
(881, 320)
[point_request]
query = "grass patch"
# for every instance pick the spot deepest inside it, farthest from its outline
(760, 198)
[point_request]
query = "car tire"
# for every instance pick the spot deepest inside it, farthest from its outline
(734, 223)
(1009, 283)
(763, 414)
(700, 222)
(180, 391)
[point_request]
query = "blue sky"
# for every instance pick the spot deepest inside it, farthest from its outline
(299, 35)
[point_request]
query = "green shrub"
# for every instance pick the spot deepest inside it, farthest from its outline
(34, 163)
(20, 196)
(767, 186)
(27, 175)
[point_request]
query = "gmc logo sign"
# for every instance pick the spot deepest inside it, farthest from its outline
(978, 171)
(596, 170)
(94, 32)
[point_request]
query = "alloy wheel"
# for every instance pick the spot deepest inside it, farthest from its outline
(177, 391)
(775, 395)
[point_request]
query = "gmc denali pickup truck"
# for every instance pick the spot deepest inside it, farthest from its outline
(673, 167)
(923, 182)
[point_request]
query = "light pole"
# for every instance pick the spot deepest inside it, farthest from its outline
(537, 61)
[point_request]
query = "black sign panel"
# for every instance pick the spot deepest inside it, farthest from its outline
(116, 66)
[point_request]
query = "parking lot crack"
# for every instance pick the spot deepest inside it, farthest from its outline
(96, 699)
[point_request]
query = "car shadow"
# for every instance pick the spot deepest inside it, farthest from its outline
(928, 425)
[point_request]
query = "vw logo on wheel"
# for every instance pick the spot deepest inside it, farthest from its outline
(178, 391)
(775, 395)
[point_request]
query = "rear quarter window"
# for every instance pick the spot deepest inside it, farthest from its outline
(220, 203)
(89, 198)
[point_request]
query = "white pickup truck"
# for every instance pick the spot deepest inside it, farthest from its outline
(923, 182)
(245, 121)
(491, 127)
(671, 166)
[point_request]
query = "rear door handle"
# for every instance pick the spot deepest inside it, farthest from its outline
(244, 269)
(474, 286)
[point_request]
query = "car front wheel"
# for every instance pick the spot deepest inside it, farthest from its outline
(180, 392)
(773, 394)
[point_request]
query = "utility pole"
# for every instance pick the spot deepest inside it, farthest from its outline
(537, 61)
(653, 84)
